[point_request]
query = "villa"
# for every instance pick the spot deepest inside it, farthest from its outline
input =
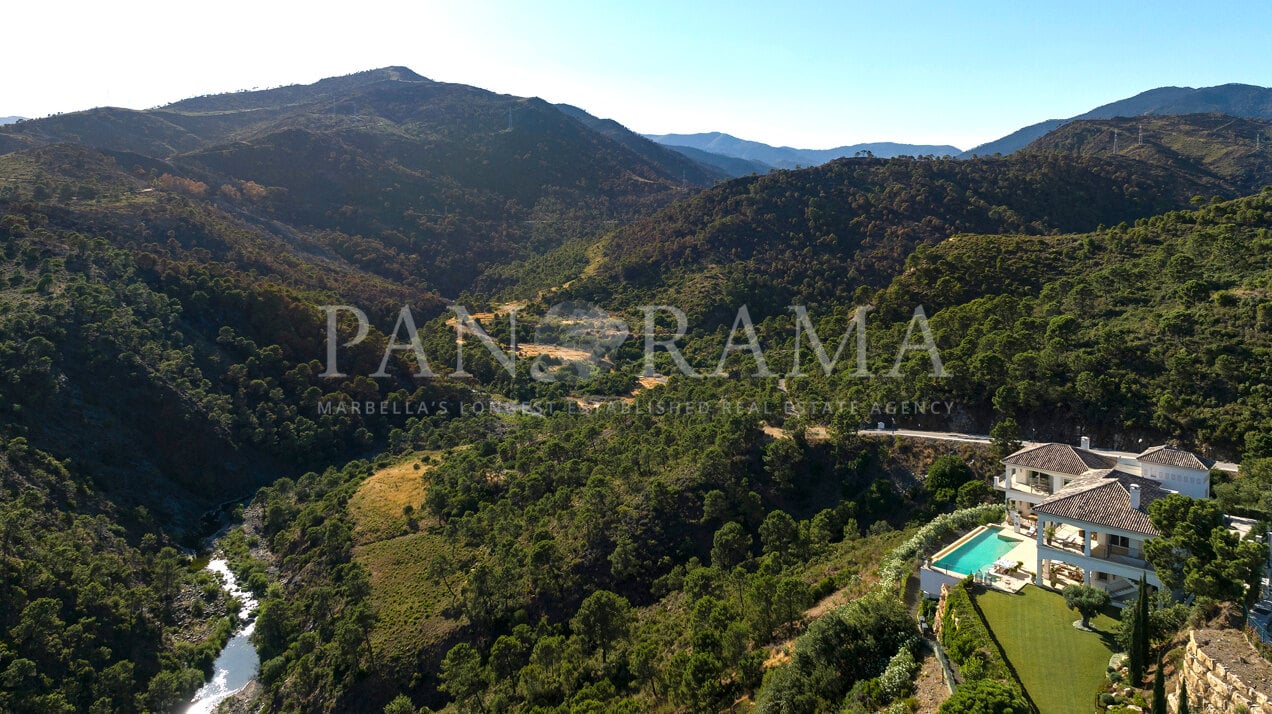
(1088, 511)
(1075, 515)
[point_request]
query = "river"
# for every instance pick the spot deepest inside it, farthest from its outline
(238, 663)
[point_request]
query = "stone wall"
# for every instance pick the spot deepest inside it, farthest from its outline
(1225, 675)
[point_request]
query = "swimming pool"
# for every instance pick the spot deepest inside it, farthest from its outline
(979, 551)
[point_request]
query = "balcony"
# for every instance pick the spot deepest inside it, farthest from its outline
(1072, 543)
(1033, 488)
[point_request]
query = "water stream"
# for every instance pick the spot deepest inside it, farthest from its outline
(237, 664)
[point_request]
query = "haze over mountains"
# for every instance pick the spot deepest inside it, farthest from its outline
(1239, 100)
(785, 157)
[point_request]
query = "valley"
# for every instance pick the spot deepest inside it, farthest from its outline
(701, 472)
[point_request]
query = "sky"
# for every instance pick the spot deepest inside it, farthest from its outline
(803, 74)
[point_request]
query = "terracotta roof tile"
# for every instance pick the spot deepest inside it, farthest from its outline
(1103, 498)
(1172, 456)
(1059, 458)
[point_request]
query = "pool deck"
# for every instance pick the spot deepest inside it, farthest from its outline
(1025, 551)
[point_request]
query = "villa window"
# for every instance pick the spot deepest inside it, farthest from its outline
(1119, 545)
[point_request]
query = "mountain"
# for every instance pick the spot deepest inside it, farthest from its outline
(400, 174)
(731, 165)
(787, 158)
(822, 234)
(1131, 335)
(10, 120)
(1239, 100)
(1235, 152)
(693, 172)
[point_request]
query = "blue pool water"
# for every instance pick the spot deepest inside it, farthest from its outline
(983, 549)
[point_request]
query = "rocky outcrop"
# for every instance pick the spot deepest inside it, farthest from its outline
(1225, 675)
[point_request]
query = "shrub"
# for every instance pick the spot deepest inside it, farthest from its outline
(898, 676)
(896, 566)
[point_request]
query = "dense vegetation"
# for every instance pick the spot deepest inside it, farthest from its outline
(89, 619)
(610, 559)
(1234, 151)
(162, 349)
(1135, 334)
(821, 235)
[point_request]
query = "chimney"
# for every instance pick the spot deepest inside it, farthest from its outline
(1135, 496)
(1086, 442)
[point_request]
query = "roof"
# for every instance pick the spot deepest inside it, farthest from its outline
(1103, 498)
(1060, 458)
(1173, 456)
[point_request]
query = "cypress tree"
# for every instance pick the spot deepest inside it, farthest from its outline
(1183, 697)
(1139, 637)
(1159, 689)
(1145, 628)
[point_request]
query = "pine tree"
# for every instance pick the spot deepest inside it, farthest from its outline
(1159, 689)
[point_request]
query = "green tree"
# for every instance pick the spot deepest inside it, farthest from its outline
(730, 546)
(779, 535)
(945, 476)
(1138, 659)
(1087, 600)
(603, 619)
(974, 493)
(1159, 689)
(401, 704)
(700, 684)
(1004, 438)
(1183, 697)
(462, 675)
(1196, 553)
(782, 460)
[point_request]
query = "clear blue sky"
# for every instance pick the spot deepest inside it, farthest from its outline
(807, 74)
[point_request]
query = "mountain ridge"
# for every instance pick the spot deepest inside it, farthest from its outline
(1245, 101)
(785, 157)
(431, 179)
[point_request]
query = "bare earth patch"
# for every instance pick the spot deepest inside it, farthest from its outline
(565, 354)
(929, 686)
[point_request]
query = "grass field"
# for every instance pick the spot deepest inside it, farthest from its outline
(1061, 667)
(377, 506)
(413, 609)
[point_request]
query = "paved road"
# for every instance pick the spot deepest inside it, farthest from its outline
(984, 439)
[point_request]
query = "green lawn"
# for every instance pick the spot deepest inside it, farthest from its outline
(1061, 667)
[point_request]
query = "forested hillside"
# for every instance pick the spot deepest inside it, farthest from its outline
(622, 562)
(1234, 152)
(569, 533)
(419, 181)
(822, 234)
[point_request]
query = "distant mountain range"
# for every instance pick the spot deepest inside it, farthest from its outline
(10, 120)
(724, 151)
(785, 157)
(1238, 100)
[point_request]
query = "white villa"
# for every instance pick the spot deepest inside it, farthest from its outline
(1089, 511)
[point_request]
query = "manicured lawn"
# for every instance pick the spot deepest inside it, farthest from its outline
(1061, 667)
